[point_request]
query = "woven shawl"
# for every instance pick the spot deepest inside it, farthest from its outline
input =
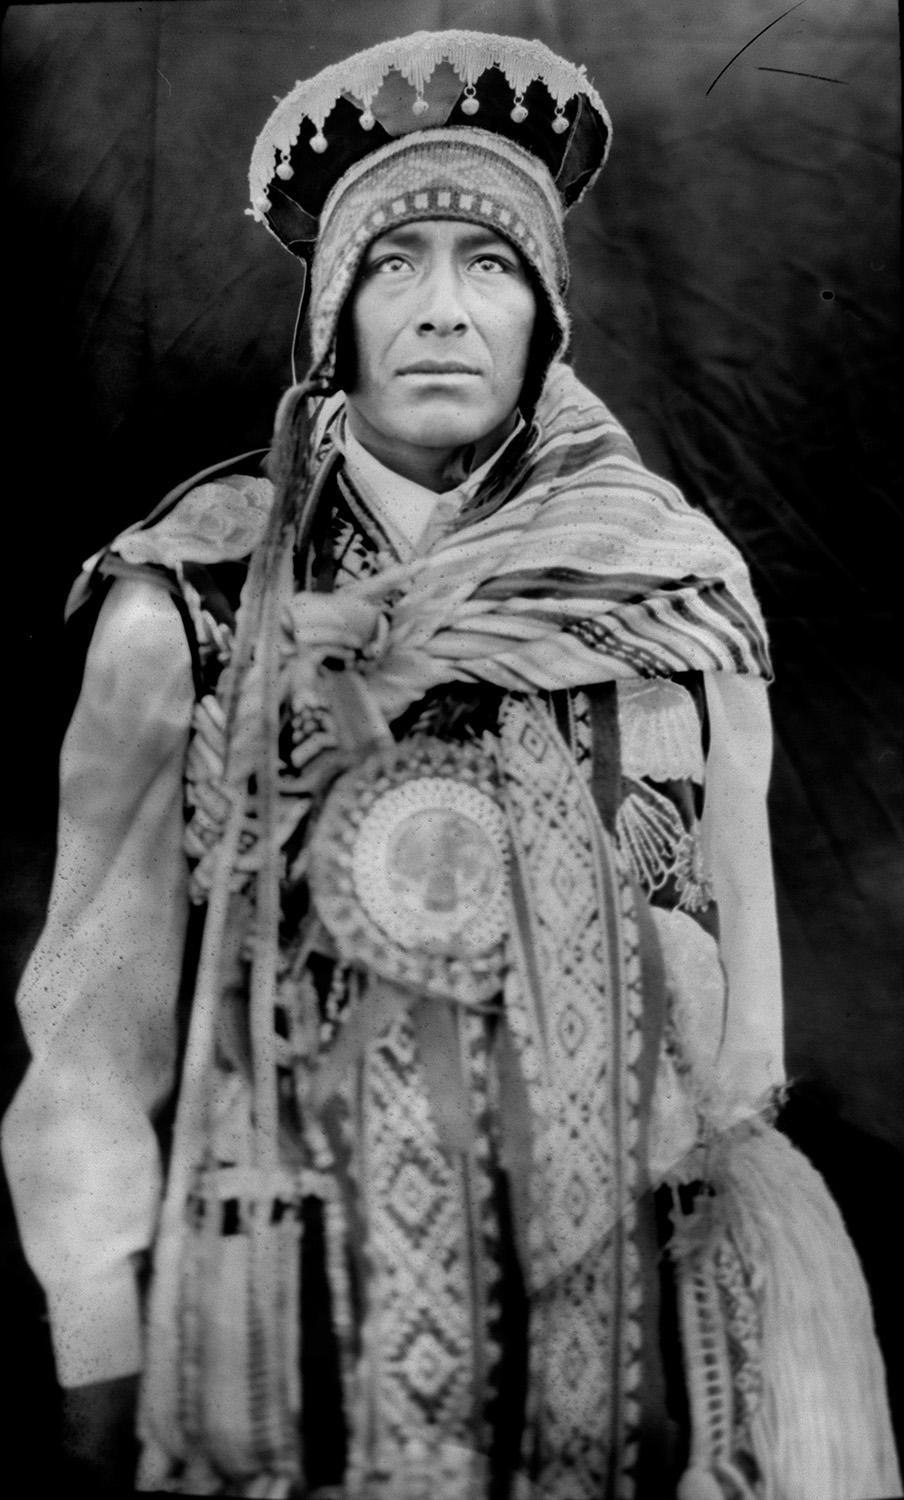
(575, 565)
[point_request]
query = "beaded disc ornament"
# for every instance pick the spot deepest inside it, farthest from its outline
(409, 868)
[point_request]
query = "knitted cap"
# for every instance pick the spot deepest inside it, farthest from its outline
(494, 130)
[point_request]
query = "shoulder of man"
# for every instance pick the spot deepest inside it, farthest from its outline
(203, 533)
(216, 516)
(569, 409)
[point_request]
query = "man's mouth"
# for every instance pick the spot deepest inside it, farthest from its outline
(438, 367)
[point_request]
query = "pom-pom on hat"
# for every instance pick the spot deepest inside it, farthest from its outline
(495, 130)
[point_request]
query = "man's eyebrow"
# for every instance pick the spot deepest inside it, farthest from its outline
(403, 236)
(480, 235)
(409, 236)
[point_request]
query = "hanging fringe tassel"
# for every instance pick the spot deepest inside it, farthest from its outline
(164, 1424)
(185, 1445)
(821, 1430)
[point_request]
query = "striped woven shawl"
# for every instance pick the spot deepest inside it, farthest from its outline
(594, 568)
(580, 566)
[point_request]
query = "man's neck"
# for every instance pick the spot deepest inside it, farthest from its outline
(437, 469)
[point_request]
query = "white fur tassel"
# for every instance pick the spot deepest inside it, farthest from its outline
(822, 1431)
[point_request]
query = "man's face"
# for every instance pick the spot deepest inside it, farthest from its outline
(442, 317)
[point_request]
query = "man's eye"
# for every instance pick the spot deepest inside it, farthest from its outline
(388, 265)
(492, 263)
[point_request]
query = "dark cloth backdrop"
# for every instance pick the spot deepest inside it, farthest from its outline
(735, 300)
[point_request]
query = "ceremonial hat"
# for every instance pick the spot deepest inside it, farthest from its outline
(494, 130)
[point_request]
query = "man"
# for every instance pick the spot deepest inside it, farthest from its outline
(467, 712)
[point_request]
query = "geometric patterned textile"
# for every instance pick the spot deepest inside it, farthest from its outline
(421, 1386)
(425, 1374)
(574, 1003)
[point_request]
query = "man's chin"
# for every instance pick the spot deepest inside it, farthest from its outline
(448, 439)
(437, 427)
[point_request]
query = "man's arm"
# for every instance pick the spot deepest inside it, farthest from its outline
(98, 997)
(736, 842)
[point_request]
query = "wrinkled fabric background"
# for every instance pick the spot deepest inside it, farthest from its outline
(735, 299)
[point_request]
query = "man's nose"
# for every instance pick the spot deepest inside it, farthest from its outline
(442, 308)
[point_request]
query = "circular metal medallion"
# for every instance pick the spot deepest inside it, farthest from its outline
(409, 868)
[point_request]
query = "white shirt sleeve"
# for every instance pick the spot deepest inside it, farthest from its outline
(737, 849)
(98, 997)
